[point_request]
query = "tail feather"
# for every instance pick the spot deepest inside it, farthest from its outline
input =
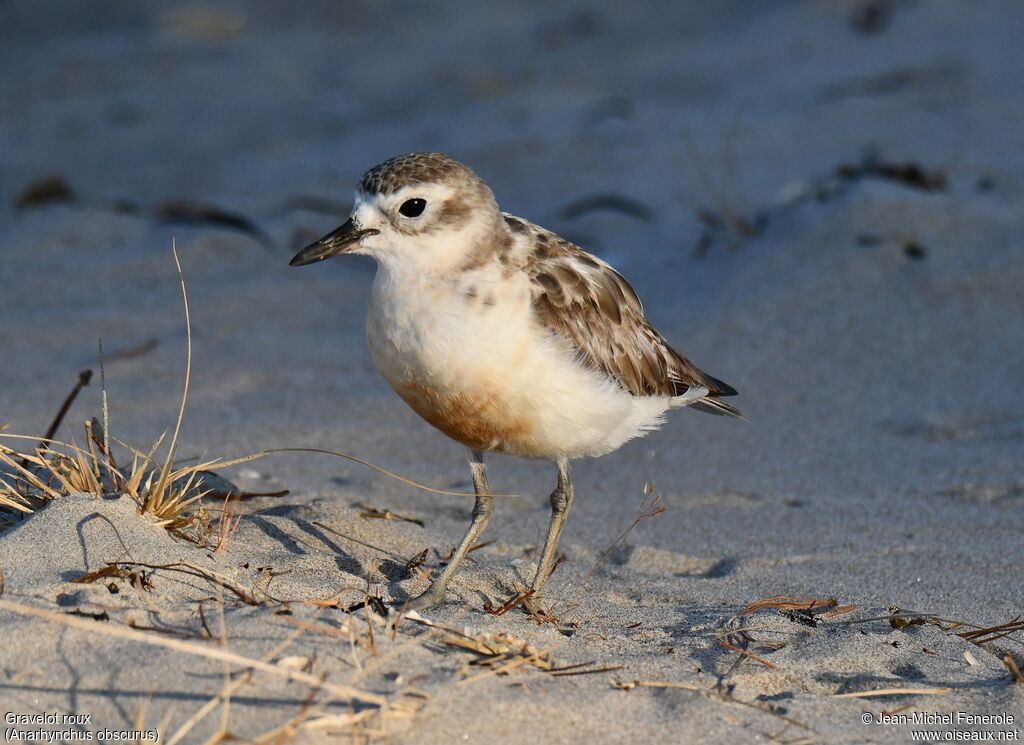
(716, 406)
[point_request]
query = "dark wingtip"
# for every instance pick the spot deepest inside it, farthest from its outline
(719, 387)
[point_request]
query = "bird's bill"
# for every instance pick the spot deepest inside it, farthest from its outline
(344, 239)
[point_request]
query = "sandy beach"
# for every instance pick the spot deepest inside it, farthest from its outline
(820, 202)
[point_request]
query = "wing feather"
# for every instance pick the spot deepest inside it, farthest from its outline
(585, 301)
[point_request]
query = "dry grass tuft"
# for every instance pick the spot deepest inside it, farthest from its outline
(56, 468)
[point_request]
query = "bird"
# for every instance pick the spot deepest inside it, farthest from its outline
(505, 336)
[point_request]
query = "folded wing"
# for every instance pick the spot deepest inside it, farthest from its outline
(587, 302)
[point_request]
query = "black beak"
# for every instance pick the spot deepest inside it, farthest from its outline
(336, 242)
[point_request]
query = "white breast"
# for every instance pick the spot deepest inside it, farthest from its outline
(467, 355)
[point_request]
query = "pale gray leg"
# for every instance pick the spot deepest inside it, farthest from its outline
(481, 516)
(561, 500)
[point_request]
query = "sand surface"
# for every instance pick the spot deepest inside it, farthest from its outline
(871, 317)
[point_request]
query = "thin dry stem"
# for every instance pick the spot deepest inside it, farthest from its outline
(193, 648)
(156, 501)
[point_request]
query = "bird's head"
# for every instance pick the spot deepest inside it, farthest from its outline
(425, 212)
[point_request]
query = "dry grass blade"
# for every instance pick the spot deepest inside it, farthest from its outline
(227, 526)
(991, 633)
(472, 549)
(216, 579)
(378, 469)
(649, 509)
(976, 634)
(784, 602)
(157, 500)
(895, 692)
(509, 605)
(747, 654)
(83, 380)
(588, 671)
(11, 499)
(111, 571)
(45, 490)
(500, 653)
(408, 561)
(73, 472)
(841, 611)
(379, 514)
(194, 648)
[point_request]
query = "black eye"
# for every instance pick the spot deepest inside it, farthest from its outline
(413, 207)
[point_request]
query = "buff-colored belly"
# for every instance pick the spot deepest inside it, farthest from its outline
(477, 419)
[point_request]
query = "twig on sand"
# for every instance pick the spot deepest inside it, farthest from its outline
(500, 653)
(509, 605)
(564, 673)
(379, 514)
(199, 213)
(734, 635)
(83, 380)
(991, 633)
(196, 571)
(842, 610)
(710, 693)
(195, 648)
(977, 634)
(895, 692)
(784, 602)
(750, 655)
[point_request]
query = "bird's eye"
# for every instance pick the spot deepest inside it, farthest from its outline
(413, 207)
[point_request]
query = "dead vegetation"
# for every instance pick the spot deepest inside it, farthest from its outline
(54, 468)
(737, 635)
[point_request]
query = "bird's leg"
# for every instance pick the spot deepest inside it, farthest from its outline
(482, 509)
(561, 500)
